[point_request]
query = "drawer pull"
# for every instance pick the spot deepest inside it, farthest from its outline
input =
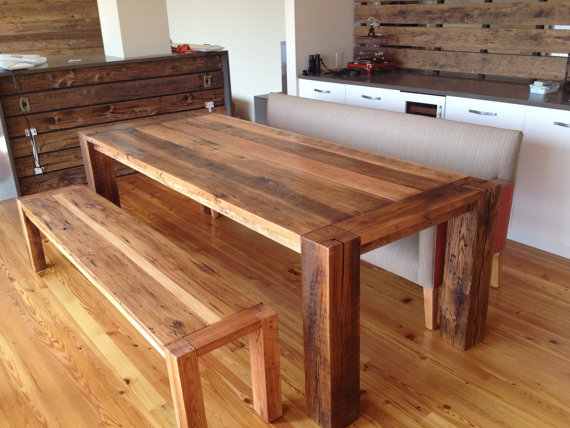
(368, 97)
(482, 113)
(322, 91)
(565, 125)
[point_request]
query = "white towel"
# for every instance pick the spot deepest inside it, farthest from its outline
(19, 62)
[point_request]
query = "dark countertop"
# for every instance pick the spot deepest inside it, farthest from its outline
(63, 63)
(467, 87)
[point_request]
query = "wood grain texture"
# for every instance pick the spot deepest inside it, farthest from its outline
(92, 368)
(33, 239)
(123, 110)
(102, 93)
(82, 76)
(64, 100)
(443, 37)
(523, 66)
(331, 325)
(184, 374)
(265, 364)
(467, 271)
(238, 169)
(501, 39)
(52, 28)
(515, 13)
(100, 172)
(62, 178)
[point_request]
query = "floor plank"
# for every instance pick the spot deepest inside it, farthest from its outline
(67, 359)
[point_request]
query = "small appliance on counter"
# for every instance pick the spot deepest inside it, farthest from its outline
(544, 87)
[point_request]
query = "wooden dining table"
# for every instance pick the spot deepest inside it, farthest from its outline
(328, 202)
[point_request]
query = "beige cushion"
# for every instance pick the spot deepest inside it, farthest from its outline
(479, 151)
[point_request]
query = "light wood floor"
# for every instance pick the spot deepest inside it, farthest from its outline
(67, 359)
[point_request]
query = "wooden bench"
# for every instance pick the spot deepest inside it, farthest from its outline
(179, 299)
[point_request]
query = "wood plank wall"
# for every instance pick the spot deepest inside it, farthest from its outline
(62, 101)
(484, 38)
(50, 27)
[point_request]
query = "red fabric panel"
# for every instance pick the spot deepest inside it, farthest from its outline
(505, 204)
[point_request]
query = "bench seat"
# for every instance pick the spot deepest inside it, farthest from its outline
(180, 300)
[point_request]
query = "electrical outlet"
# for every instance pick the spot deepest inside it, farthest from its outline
(25, 104)
(339, 61)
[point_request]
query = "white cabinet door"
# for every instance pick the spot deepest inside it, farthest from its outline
(435, 100)
(488, 113)
(379, 98)
(324, 91)
(541, 207)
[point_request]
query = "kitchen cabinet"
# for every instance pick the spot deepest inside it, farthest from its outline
(323, 91)
(541, 206)
(483, 112)
(378, 98)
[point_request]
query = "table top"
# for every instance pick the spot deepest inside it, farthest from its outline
(285, 185)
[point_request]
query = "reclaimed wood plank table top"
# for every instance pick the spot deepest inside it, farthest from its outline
(329, 202)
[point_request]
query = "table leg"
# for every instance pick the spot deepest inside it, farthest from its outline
(100, 171)
(467, 272)
(331, 325)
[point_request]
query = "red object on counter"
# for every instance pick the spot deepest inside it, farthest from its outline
(183, 49)
(370, 67)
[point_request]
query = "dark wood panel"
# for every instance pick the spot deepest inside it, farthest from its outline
(526, 13)
(112, 92)
(470, 38)
(523, 66)
(52, 161)
(61, 178)
(54, 28)
(56, 24)
(111, 73)
(66, 139)
(85, 116)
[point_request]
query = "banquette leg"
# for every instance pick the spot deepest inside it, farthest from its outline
(431, 307)
(497, 268)
(260, 322)
(33, 241)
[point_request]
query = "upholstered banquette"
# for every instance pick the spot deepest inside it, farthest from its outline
(480, 151)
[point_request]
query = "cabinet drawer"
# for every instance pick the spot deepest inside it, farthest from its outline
(488, 113)
(379, 98)
(324, 91)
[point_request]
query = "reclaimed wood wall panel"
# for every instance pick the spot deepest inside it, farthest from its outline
(548, 13)
(62, 101)
(512, 39)
(50, 28)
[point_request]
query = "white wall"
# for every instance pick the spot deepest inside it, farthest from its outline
(134, 28)
(322, 27)
(250, 30)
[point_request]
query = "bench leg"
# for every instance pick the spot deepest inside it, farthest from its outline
(182, 363)
(265, 367)
(33, 241)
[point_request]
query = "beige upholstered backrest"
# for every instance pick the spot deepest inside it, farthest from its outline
(479, 151)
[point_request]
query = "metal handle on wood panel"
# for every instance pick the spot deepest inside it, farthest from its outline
(482, 113)
(321, 91)
(565, 125)
(439, 112)
(368, 97)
